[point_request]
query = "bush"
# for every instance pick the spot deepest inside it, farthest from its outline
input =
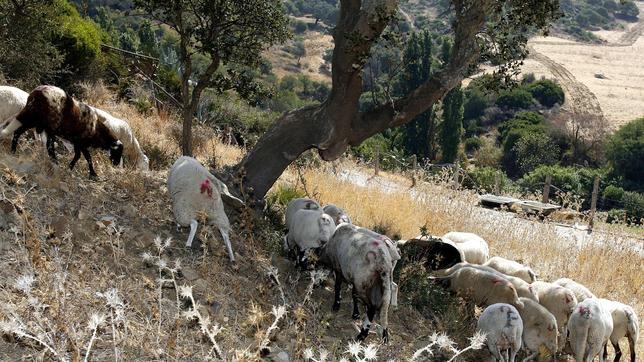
(625, 151)
(533, 150)
(476, 102)
(485, 178)
(472, 144)
(613, 193)
(628, 10)
(616, 216)
(634, 206)
(547, 92)
(517, 98)
(489, 155)
(283, 195)
(300, 27)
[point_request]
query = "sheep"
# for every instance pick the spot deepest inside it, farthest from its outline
(589, 329)
(625, 324)
(309, 230)
(474, 248)
(291, 208)
(523, 289)
(364, 262)
(503, 328)
(483, 287)
(511, 267)
(193, 190)
(338, 215)
(559, 301)
(12, 100)
(581, 292)
(539, 328)
(52, 110)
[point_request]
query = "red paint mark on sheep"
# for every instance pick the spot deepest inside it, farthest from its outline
(206, 187)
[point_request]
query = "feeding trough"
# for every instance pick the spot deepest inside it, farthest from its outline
(536, 207)
(490, 200)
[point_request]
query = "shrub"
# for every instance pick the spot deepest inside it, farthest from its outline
(475, 103)
(485, 178)
(612, 195)
(533, 150)
(616, 216)
(547, 92)
(517, 98)
(488, 155)
(634, 206)
(472, 144)
(625, 151)
(300, 27)
(283, 195)
(628, 10)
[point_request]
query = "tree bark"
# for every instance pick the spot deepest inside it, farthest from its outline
(337, 123)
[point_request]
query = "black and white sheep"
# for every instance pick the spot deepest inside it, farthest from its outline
(53, 111)
(194, 190)
(364, 262)
(503, 330)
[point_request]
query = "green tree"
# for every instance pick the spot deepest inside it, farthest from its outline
(148, 39)
(228, 32)
(533, 150)
(452, 126)
(625, 151)
(547, 92)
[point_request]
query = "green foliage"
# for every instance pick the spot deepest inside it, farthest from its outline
(634, 206)
(489, 155)
(452, 126)
(486, 178)
(517, 98)
(476, 102)
(547, 92)
(300, 26)
(472, 144)
(322, 9)
(576, 180)
(283, 195)
(625, 151)
(612, 197)
(533, 150)
(628, 10)
(512, 131)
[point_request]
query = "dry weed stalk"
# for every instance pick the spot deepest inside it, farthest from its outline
(317, 277)
(95, 321)
(207, 328)
(273, 273)
(444, 343)
(115, 305)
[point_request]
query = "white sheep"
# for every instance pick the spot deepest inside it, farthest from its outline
(12, 100)
(539, 328)
(483, 287)
(589, 329)
(194, 190)
(581, 292)
(475, 249)
(338, 215)
(559, 301)
(291, 208)
(310, 229)
(511, 267)
(523, 289)
(625, 324)
(503, 330)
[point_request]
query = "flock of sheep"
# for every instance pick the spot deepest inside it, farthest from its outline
(521, 312)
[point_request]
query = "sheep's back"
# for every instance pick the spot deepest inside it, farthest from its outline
(12, 100)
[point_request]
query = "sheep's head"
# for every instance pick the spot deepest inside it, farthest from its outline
(116, 152)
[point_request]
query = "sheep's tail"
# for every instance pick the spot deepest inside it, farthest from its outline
(386, 300)
(632, 326)
(13, 125)
(578, 336)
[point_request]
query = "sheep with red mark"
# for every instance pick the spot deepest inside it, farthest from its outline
(364, 261)
(559, 301)
(581, 292)
(482, 287)
(53, 111)
(503, 330)
(474, 248)
(195, 190)
(511, 267)
(589, 329)
(625, 324)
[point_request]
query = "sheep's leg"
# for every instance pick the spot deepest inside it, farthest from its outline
(16, 135)
(88, 158)
(286, 243)
(338, 291)
(513, 355)
(50, 148)
(530, 357)
(356, 310)
(631, 346)
(366, 324)
(618, 352)
(77, 153)
(224, 235)
(193, 231)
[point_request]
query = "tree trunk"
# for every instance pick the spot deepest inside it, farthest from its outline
(186, 135)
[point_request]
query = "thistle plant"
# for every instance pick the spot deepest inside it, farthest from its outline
(443, 342)
(207, 328)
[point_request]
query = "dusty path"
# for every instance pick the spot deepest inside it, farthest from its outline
(582, 100)
(630, 37)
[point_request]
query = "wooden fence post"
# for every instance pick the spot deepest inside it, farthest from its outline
(376, 161)
(456, 185)
(497, 183)
(593, 203)
(413, 170)
(546, 189)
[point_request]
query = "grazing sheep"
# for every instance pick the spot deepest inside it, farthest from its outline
(310, 229)
(625, 324)
(364, 262)
(475, 249)
(511, 267)
(433, 252)
(539, 328)
(559, 301)
(581, 292)
(338, 215)
(483, 287)
(523, 289)
(194, 190)
(292, 207)
(12, 100)
(503, 328)
(589, 329)
(52, 110)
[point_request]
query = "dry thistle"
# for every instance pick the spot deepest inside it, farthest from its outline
(207, 328)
